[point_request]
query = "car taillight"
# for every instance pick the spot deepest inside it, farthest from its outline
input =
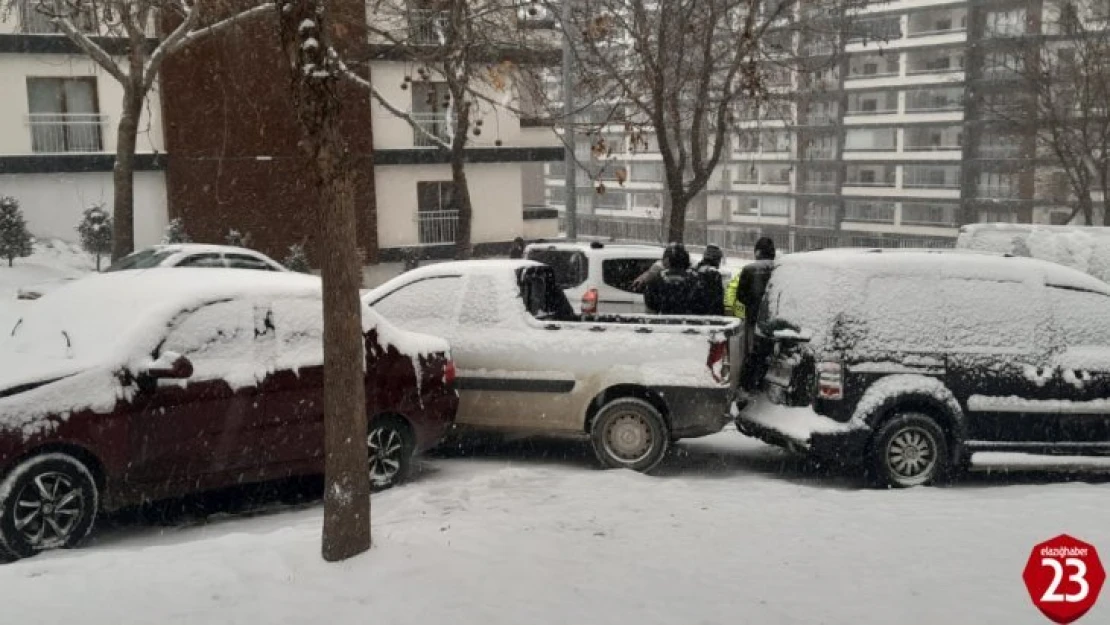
(589, 302)
(830, 381)
(718, 362)
(449, 373)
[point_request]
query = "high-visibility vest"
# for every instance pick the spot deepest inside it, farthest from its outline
(733, 306)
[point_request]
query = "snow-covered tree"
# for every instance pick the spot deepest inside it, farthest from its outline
(95, 230)
(115, 35)
(297, 259)
(15, 240)
(175, 232)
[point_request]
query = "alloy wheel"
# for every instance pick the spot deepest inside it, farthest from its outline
(911, 455)
(48, 509)
(387, 448)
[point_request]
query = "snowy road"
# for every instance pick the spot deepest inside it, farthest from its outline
(728, 531)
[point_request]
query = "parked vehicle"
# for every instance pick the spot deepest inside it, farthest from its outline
(597, 277)
(909, 362)
(529, 364)
(135, 386)
(173, 255)
(1086, 248)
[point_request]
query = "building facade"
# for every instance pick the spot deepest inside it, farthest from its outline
(218, 146)
(892, 142)
(58, 117)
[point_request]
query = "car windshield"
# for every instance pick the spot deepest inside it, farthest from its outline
(146, 259)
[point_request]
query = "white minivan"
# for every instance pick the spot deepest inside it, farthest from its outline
(597, 277)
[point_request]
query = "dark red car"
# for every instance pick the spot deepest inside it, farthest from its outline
(136, 386)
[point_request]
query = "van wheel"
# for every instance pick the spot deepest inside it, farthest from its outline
(390, 449)
(46, 502)
(629, 433)
(909, 450)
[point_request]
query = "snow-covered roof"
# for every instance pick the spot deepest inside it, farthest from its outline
(91, 319)
(201, 248)
(607, 250)
(1084, 248)
(986, 266)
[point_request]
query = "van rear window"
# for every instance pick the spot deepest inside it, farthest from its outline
(620, 273)
(571, 268)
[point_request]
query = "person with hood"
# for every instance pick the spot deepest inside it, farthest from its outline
(676, 290)
(517, 250)
(713, 289)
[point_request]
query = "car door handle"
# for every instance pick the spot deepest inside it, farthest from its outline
(553, 326)
(643, 330)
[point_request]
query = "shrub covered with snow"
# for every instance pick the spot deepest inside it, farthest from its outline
(95, 230)
(297, 259)
(238, 239)
(15, 239)
(175, 233)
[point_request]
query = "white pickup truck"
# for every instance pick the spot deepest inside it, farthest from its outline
(528, 364)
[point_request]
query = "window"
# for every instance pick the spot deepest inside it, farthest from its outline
(1009, 23)
(140, 260)
(980, 315)
(216, 338)
(929, 214)
(423, 306)
(431, 104)
(866, 139)
(924, 138)
(947, 99)
(819, 215)
(619, 273)
(202, 260)
(870, 102)
(299, 325)
(870, 175)
(64, 115)
(242, 261)
(868, 211)
(900, 314)
(932, 177)
(571, 268)
(1082, 317)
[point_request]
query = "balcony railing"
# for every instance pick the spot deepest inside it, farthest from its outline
(859, 182)
(819, 186)
(35, 22)
(931, 184)
(435, 124)
(438, 227)
(932, 107)
(427, 28)
(62, 132)
(951, 69)
(999, 191)
(932, 148)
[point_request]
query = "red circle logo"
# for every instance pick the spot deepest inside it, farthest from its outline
(1064, 577)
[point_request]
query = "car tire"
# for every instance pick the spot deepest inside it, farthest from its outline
(47, 502)
(910, 449)
(629, 433)
(390, 447)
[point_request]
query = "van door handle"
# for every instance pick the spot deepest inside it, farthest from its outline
(552, 326)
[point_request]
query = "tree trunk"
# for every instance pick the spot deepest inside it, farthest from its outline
(318, 107)
(463, 247)
(123, 174)
(676, 217)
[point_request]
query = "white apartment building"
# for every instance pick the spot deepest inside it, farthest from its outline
(890, 144)
(58, 117)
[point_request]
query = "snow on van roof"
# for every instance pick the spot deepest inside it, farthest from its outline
(986, 266)
(94, 314)
(1084, 248)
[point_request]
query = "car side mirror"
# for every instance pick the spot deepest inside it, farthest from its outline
(169, 366)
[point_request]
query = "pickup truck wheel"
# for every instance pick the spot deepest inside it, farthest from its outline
(629, 433)
(46, 502)
(909, 450)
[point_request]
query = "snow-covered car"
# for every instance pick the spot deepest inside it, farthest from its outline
(173, 255)
(528, 364)
(196, 255)
(906, 363)
(135, 386)
(1086, 248)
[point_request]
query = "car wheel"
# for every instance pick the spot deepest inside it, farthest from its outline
(46, 502)
(629, 434)
(909, 450)
(391, 446)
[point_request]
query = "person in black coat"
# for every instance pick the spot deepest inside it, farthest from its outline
(517, 249)
(677, 290)
(712, 301)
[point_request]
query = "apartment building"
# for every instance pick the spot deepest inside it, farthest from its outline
(58, 116)
(218, 144)
(890, 142)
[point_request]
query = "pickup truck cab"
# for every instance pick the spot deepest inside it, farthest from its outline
(528, 364)
(596, 276)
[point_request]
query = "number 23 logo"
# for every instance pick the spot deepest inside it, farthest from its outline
(1052, 594)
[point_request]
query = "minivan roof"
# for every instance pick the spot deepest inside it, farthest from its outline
(989, 266)
(605, 249)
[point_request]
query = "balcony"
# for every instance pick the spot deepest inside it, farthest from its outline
(819, 186)
(873, 66)
(55, 133)
(438, 227)
(427, 28)
(934, 100)
(938, 23)
(878, 176)
(34, 21)
(437, 124)
(998, 191)
(937, 178)
(933, 63)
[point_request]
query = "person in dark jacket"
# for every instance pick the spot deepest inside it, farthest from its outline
(752, 285)
(517, 250)
(677, 289)
(713, 288)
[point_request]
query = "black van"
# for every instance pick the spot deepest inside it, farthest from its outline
(907, 362)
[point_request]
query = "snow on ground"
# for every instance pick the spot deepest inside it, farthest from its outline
(727, 531)
(52, 260)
